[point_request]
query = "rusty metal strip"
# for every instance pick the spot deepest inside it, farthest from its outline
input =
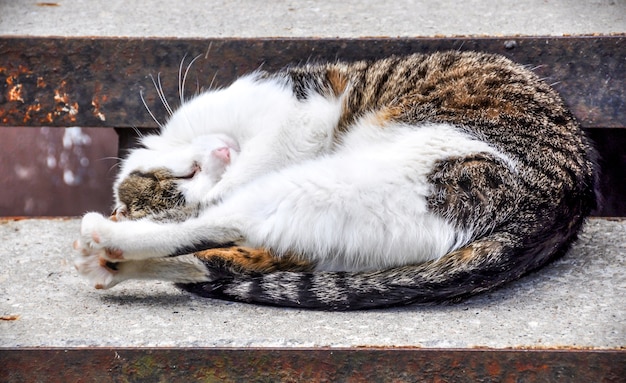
(310, 365)
(96, 81)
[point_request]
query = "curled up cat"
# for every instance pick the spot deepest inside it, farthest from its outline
(341, 186)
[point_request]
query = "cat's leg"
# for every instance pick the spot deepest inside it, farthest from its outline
(103, 274)
(144, 238)
(189, 268)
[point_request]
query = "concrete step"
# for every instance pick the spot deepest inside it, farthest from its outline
(564, 323)
(576, 302)
(346, 18)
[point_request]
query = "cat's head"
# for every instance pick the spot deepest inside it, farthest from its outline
(166, 174)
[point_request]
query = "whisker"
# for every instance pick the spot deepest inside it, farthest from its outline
(118, 164)
(206, 55)
(148, 109)
(162, 95)
(182, 91)
(138, 132)
(159, 90)
(213, 80)
(180, 79)
(109, 158)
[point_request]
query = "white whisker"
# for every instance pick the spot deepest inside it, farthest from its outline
(180, 79)
(117, 164)
(138, 132)
(162, 95)
(182, 91)
(110, 158)
(148, 109)
(213, 80)
(206, 55)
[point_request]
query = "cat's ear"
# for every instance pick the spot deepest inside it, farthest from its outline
(222, 154)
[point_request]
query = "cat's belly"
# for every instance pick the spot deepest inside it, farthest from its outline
(358, 209)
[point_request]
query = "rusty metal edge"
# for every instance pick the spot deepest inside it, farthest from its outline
(95, 81)
(310, 364)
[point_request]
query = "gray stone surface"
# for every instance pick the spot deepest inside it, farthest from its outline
(577, 301)
(340, 18)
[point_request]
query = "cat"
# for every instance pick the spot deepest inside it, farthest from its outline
(368, 184)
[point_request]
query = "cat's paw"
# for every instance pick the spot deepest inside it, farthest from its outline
(96, 234)
(120, 213)
(100, 273)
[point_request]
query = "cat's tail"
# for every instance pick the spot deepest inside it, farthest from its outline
(482, 265)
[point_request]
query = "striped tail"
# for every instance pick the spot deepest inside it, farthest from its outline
(482, 265)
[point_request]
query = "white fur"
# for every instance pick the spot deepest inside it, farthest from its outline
(183, 269)
(272, 127)
(356, 204)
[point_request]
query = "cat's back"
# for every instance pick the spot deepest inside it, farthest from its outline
(485, 95)
(542, 178)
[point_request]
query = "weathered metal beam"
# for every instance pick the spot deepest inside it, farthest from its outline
(97, 81)
(310, 365)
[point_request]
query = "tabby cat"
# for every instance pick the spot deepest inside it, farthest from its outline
(414, 179)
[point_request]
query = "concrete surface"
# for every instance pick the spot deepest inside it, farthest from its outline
(578, 301)
(340, 18)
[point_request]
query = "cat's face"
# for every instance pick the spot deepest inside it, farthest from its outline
(165, 174)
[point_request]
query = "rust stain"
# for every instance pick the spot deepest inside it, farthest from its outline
(15, 73)
(96, 110)
(15, 93)
(47, 4)
(30, 110)
(9, 317)
(97, 101)
(64, 105)
(494, 368)
(40, 82)
(60, 96)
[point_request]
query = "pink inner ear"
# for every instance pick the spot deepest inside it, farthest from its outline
(222, 154)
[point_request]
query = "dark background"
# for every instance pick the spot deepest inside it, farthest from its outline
(56, 171)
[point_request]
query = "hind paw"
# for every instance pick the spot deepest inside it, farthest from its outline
(99, 271)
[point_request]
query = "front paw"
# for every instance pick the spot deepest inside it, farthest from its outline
(96, 234)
